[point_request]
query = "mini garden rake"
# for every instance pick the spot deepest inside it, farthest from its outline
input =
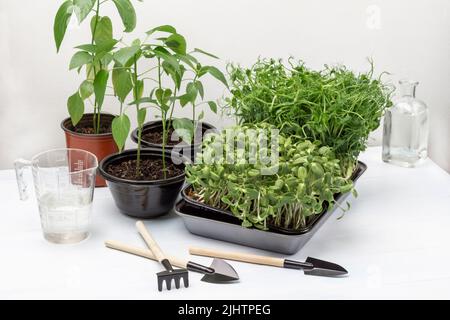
(170, 274)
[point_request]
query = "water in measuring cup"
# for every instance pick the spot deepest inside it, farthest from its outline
(65, 216)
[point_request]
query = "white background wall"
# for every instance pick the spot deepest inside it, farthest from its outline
(407, 38)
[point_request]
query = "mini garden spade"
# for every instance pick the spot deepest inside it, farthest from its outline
(170, 274)
(311, 266)
(219, 271)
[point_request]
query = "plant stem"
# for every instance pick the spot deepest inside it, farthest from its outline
(164, 145)
(169, 124)
(138, 154)
(163, 118)
(194, 122)
(96, 117)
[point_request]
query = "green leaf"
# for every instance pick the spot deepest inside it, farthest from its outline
(141, 114)
(106, 60)
(122, 83)
(61, 22)
(187, 59)
(144, 100)
(201, 115)
(177, 43)
(212, 106)
(127, 13)
(163, 96)
(91, 70)
(202, 71)
(79, 59)
(184, 128)
(75, 105)
(86, 89)
(200, 89)
(168, 58)
(124, 55)
(100, 81)
(103, 31)
(206, 53)
(120, 130)
(190, 95)
(82, 8)
(136, 42)
(106, 46)
(176, 76)
(216, 73)
(92, 48)
(164, 28)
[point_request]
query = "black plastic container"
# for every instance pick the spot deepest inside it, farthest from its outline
(188, 150)
(219, 224)
(142, 199)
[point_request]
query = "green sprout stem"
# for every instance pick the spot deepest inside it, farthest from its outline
(135, 89)
(163, 119)
(96, 118)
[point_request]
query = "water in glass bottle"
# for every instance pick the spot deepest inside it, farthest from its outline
(405, 131)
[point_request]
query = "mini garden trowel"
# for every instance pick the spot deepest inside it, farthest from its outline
(219, 272)
(311, 266)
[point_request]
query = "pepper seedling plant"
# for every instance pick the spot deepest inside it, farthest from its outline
(334, 106)
(94, 57)
(304, 182)
(170, 63)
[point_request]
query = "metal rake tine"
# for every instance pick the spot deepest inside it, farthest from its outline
(177, 282)
(186, 281)
(170, 273)
(169, 283)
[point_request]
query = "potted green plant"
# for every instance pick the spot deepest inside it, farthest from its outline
(287, 195)
(186, 73)
(92, 131)
(146, 182)
(335, 106)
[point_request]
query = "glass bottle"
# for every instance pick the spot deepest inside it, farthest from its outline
(405, 130)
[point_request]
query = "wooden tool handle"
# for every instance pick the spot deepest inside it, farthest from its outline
(243, 257)
(145, 253)
(151, 243)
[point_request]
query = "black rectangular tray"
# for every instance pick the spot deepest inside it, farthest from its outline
(211, 222)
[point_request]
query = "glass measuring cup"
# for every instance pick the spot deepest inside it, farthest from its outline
(64, 181)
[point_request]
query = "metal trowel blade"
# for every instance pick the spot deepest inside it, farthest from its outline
(324, 268)
(224, 272)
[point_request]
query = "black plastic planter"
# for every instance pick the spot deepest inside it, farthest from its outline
(189, 150)
(142, 199)
(218, 224)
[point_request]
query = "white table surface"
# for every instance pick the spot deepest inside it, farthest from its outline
(395, 243)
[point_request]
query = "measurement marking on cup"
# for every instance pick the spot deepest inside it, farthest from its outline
(78, 166)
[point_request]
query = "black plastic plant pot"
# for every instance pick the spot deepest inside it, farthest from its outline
(222, 225)
(142, 199)
(188, 150)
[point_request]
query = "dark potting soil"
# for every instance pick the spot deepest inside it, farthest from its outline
(155, 136)
(151, 169)
(106, 128)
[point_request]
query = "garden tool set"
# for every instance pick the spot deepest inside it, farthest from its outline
(219, 271)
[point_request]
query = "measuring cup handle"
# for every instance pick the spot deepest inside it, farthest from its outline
(19, 166)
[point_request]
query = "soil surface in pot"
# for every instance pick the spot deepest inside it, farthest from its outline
(155, 136)
(104, 128)
(151, 169)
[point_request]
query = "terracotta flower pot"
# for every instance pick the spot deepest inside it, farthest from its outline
(102, 145)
